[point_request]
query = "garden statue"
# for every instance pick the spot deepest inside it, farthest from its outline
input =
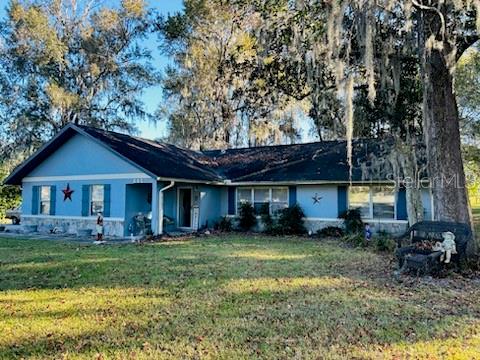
(99, 228)
(447, 247)
(368, 233)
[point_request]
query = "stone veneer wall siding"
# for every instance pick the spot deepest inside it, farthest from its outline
(390, 227)
(315, 225)
(393, 227)
(71, 226)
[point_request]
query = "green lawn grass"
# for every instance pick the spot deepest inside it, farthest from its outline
(476, 220)
(226, 297)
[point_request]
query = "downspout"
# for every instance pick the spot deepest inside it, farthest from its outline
(160, 206)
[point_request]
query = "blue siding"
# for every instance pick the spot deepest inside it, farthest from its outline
(82, 156)
(210, 208)
(74, 207)
(292, 195)
(170, 202)
(223, 200)
(327, 206)
(402, 204)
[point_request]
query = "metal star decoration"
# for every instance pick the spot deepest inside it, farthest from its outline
(67, 193)
(316, 199)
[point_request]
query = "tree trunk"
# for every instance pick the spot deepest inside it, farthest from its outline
(406, 164)
(442, 136)
(413, 192)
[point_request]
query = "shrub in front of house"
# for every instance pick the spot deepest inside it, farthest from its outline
(352, 220)
(224, 224)
(246, 219)
(290, 221)
(331, 231)
(355, 239)
(384, 242)
(269, 225)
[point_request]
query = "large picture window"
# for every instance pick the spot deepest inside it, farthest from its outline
(97, 199)
(45, 200)
(359, 198)
(279, 199)
(374, 202)
(273, 198)
(244, 196)
(383, 202)
(261, 199)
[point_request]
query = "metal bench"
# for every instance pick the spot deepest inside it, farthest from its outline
(414, 256)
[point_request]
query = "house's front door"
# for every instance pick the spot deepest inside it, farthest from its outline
(185, 208)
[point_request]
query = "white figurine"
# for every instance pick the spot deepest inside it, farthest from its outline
(447, 247)
(99, 229)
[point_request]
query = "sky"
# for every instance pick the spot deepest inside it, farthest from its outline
(151, 96)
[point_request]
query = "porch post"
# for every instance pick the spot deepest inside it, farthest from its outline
(155, 208)
(160, 206)
(160, 212)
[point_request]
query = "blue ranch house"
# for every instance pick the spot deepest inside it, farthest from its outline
(84, 170)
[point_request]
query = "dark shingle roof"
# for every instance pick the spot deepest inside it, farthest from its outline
(320, 161)
(161, 159)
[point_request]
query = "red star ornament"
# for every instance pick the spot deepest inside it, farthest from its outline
(67, 193)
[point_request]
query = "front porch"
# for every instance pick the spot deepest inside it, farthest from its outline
(169, 207)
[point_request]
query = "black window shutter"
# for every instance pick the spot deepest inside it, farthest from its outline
(53, 199)
(342, 199)
(106, 200)
(231, 200)
(292, 195)
(85, 200)
(35, 199)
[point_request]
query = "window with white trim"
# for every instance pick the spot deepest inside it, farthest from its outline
(261, 199)
(97, 199)
(359, 198)
(45, 199)
(383, 202)
(275, 198)
(244, 196)
(279, 199)
(374, 202)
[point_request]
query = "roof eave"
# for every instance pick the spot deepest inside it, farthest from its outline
(192, 181)
(309, 182)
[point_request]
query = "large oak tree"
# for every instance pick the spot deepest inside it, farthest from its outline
(64, 61)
